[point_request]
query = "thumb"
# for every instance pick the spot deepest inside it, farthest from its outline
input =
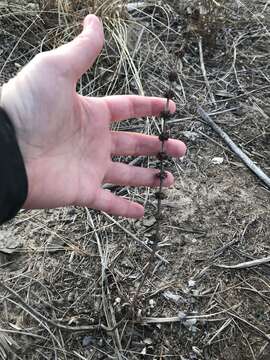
(80, 54)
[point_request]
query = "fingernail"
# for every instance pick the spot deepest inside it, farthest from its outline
(88, 20)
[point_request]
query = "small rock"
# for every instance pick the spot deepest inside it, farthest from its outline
(100, 342)
(127, 263)
(117, 301)
(148, 341)
(171, 296)
(32, 7)
(181, 315)
(191, 135)
(193, 356)
(88, 341)
(217, 160)
(191, 283)
(189, 323)
(143, 352)
(58, 302)
(149, 222)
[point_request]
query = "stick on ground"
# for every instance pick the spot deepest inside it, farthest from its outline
(235, 148)
(245, 265)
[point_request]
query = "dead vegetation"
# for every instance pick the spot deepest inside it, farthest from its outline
(68, 276)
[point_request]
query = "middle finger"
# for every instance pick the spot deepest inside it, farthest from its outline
(134, 144)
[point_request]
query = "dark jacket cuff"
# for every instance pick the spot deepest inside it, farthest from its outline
(13, 178)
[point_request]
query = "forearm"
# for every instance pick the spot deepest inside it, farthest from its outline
(13, 179)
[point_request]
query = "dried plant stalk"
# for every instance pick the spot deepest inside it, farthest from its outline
(162, 157)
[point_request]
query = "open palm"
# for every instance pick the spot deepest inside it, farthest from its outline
(65, 138)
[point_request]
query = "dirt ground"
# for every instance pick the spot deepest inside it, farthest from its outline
(68, 277)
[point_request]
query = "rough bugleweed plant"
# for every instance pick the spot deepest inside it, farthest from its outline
(162, 156)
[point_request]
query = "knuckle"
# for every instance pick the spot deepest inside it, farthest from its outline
(44, 58)
(39, 57)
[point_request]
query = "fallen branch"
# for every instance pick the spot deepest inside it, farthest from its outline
(246, 160)
(247, 264)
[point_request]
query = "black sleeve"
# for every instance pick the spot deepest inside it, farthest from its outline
(13, 178)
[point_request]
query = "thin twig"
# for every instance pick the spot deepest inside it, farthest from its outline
(222, 328)
(235, 148)
(252, 326)
(204, 317)
(245, 265)
(204, 73)
(40, 318)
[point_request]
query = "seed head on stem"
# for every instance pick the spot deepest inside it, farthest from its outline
(160, 195)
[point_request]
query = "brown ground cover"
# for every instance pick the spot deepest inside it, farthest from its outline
(68, 276)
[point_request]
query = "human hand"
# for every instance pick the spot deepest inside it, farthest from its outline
(65, 138)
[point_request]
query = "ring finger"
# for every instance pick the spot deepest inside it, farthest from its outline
(126, 175)
(134, 144)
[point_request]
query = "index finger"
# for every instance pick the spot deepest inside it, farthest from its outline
(123, 107)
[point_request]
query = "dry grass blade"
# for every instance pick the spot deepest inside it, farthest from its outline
(8, 347)
(245, 265)
(106, 296)
(43, 320)
(135, 238)
(183, 317)
(204, 72)
(252, 326)
(219, 331)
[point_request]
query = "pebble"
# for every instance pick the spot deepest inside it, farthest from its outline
(88, 340)
(217, 160)
(149, 222)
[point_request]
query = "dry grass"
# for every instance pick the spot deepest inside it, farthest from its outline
(77, 271)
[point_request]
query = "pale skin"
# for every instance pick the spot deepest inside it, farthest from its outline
(65, 138)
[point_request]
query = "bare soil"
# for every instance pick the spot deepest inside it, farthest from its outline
(70, 275)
